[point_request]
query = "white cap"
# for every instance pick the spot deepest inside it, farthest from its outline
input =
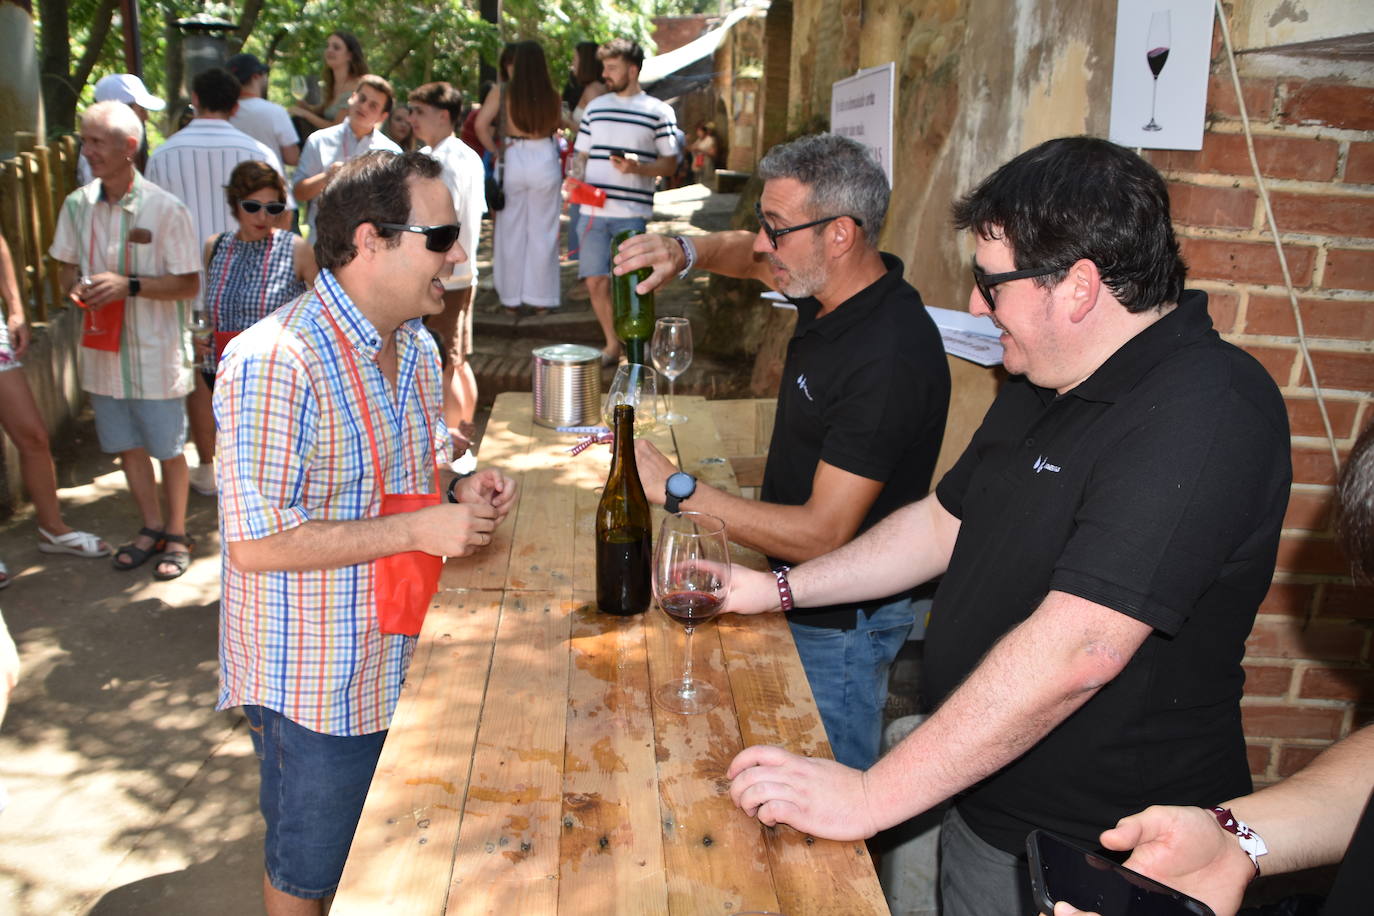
(127, 88)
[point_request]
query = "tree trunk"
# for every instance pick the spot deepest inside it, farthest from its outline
(55, 65)
(173, 69)
(247, 20)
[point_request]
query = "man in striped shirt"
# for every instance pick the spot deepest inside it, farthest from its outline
(324, 406)
(194, 164)
(626, 140)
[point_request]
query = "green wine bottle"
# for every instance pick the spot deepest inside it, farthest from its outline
(633, 313)
(623, 542)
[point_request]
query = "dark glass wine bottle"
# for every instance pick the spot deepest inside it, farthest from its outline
(622, 528)
(633, 313)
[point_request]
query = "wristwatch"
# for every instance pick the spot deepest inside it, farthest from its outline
(678, 487)
(135, 284)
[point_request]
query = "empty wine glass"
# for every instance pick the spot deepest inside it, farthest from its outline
(299, 88)
(691, 582)
(671, 351)
(637, 386)
(1157, 41)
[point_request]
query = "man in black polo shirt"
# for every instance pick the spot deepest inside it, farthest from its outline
(1105, 541)
(861, 410)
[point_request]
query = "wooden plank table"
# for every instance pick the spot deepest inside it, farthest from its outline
(527, 770)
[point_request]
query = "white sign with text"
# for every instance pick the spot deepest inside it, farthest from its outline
(861, 109)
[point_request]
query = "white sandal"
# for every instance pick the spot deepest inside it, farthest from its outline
(75, 543)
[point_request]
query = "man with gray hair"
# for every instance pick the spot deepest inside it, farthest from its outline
(861, 410)
(130, 259)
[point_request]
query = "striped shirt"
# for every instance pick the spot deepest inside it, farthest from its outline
(247, 281)
(195, 163)
(639, 124)
(293, 448)
(96, 235)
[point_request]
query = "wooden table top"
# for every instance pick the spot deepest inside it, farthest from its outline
(527, 770)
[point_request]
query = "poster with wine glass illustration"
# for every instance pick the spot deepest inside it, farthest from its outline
(1159, 80)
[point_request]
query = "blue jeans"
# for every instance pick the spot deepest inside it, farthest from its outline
(312, 793)
(848, 673)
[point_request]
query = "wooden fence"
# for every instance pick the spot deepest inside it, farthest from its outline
(32, 187)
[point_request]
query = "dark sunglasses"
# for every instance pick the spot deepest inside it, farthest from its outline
(986, 281)
(775, 234)
(437, 238)
(276, 207)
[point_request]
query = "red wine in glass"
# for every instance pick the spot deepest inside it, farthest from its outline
(1157, 41)
(691, 608)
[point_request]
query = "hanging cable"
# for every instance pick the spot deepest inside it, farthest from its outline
(1274, 231)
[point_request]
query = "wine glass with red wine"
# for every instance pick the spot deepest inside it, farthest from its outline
(1157, 42)
(691, 580)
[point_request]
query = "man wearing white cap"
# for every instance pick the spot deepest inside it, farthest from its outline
(129, 89)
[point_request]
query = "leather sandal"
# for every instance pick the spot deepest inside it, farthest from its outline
(180, 559)
(137, 555)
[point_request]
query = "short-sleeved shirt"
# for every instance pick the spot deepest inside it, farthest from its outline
(1156, 488)
(96, 235)
(334, 144)
(195, 164)
(264, 121)
(638, 124)
(293, 448)
(466, 182)
(865, 388)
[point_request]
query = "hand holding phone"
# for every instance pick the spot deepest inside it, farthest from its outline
(1090, 882)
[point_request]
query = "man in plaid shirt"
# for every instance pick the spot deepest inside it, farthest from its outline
(323, 407)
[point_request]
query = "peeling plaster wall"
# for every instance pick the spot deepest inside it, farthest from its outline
(1272, 23)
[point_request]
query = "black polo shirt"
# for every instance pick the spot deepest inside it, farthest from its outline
(1157, 488)
(865, 388)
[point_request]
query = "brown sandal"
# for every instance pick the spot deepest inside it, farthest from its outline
(179, 559)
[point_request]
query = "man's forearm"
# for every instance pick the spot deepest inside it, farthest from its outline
(1308, 819)
(910, 546)
(1028, 683)
(790, 533)
(169, 287)
(322, 545)
(308, 189)
(730, 254)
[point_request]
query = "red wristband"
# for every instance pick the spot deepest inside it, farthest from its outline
(784, 588)
(1249, 840)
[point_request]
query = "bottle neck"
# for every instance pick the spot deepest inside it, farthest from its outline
(623, 453)
(634, 352)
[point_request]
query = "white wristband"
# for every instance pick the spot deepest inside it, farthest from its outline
(689, 251)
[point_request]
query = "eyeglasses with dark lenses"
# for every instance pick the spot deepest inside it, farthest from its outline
(275, 207)
(437, 238)
(986, 281)
(775, 234)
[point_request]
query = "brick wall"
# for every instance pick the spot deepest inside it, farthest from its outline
(1308, 664)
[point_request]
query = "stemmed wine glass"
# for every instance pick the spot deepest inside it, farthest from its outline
(637, 386)
(671, 350)
(299, 88)
(1157, 43)
(691, 581)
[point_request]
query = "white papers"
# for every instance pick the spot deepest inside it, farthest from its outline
(971, 337)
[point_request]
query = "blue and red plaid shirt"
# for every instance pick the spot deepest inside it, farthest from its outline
(293, 448)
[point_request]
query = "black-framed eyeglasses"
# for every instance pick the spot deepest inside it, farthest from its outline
(986, 281)
(775, 234)
(274, 207)
(437, 238)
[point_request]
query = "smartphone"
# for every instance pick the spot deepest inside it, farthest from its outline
(1060, 870)
(616, 153)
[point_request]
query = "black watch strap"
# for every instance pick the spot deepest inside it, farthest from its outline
(135, 285)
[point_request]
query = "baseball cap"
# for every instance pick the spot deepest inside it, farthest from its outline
(245, 67)
(127, 88)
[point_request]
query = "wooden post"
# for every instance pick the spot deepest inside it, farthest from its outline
(12, 222)
(33, 232)
(47, 211)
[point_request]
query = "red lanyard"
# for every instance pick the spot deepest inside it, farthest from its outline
(123, 227)
(224, 275)
(351, 364)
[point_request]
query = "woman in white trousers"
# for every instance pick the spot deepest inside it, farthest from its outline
(525, 265)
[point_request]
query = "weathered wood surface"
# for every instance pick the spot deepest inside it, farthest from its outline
(528, 770)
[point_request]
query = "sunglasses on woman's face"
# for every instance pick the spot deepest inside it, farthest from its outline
(437, 238)
(276, 207)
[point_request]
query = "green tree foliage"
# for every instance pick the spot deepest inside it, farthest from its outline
(407, 41)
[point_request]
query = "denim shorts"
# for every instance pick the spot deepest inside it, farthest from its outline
(312, 793)
(594, 234)
(157, 425)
